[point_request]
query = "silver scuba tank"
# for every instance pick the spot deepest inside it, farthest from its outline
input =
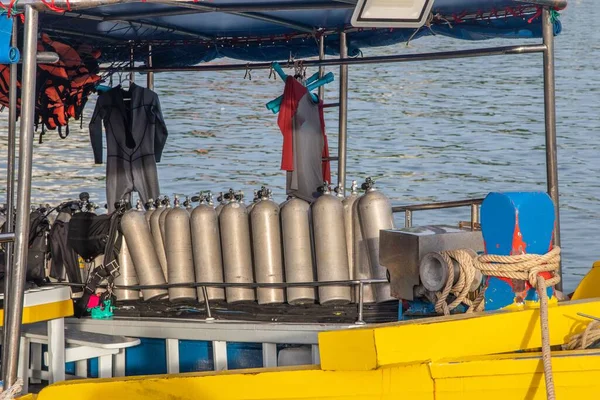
(266, 244)
(222, 199)
(187, 204)
(64, 216)
(206, 246)
(163, 218)
(297, 250)
(127, 276)
(375, 214)
(157, 237)
(180, 260)
(236, 249)
(149, 211)
(255, 200)
(330, 247)
(360, 256)
(147, 267)
(348, 204)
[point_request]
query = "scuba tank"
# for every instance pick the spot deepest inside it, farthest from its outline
(222, 199)
(206, 246)
(266, 245)
(330, 247)
(178, 248)
(157, 239)
(375, 214)
(149, 210)
(163, 218)
(236, 249)
(127, 275)
(141, 247)
(297, 250)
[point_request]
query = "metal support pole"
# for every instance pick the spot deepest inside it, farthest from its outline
(550, 119)
(408, 219)
(10, 173)
(131, 64)
(361, 297)
(343, 119)
(321, 91)
(17, 286)
(209, 316)
(150, 76)
(474, 216)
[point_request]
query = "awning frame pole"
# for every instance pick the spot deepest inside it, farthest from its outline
(150, 75)
(332, 62)
(17, 286)
(321, 90)
(10, 172)
(132, 64)
(343, 115)
(550, 122)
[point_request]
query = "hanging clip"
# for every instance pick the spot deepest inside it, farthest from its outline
(248, 73)
(272, 73)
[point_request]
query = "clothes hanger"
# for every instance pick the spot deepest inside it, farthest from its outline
(311, 83)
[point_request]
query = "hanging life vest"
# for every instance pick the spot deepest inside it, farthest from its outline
(62, 88)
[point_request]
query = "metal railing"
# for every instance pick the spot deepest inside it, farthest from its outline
(473, 203)
(8, 237)
(280, 285)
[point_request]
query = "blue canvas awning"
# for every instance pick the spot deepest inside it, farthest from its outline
(189, 32)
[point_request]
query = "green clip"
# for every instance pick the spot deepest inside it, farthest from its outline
(104, 311)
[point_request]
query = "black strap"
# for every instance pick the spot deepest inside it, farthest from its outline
(101, 272)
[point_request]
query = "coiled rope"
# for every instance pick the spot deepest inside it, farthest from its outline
(12, 391)
(585, 339)
(460, 290)
(525, 267)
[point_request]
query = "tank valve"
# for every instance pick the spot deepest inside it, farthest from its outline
(324, 189)
(263, 193)
(239, 196)
(139, 206)
(187, 203)
(229, 195)
(354, 188)
(339, 190)
(368, 184)
(209, 198)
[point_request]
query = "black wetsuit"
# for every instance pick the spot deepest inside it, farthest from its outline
(135, 137)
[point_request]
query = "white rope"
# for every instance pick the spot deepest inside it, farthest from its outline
(525, 267)
(460, 289)
(585, 339)
(12, 391)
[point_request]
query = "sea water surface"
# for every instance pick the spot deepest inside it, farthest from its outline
(428, 132)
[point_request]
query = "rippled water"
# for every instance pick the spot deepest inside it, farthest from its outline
(437, 131)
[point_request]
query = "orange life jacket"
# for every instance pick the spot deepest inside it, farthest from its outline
(62, 88)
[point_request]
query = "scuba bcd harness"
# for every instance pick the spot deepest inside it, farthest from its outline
(107, 271)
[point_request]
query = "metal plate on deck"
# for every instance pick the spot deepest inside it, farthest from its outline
(401, 251)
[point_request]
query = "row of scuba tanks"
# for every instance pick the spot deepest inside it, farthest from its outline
(335, 238)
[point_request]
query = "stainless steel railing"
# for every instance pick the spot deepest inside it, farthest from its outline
(473, 203)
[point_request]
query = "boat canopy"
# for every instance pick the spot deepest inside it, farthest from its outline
(184, 33)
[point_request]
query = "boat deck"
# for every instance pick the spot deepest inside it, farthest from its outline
(308, 313)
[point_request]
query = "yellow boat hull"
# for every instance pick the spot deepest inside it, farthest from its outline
(458, 357)
(492, 377)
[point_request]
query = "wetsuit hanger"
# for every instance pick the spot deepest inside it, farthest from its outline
(311, 83)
